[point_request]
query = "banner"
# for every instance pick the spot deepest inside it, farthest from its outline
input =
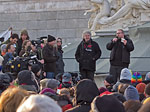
(6, 34)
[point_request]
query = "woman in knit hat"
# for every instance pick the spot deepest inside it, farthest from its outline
(141, 87)
(23, 36)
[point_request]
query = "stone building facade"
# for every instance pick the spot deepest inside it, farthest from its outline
(60, 18)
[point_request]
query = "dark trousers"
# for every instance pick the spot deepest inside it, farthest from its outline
(115, 71)
(87, 74)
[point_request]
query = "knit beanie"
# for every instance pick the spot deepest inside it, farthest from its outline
(125, 74)
(136, 78)
(50, 38)
(107, 103)
(52, 83)
(131, 93)
(35, 68)
(141, 87)
(110, 79)
(147, 77)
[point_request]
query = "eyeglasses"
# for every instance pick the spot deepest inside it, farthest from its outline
(119, 33)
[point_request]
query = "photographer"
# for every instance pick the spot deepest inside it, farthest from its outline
(26, 48)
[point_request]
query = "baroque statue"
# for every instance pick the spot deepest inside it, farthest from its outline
(111, 14)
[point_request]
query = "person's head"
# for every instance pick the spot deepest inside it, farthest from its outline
(109, 80)
(10, 48)
(141, 87)
(132, 105)
(53, 84)
(65, 91)
(122, 87)
(147, 90)
(85, 91)
(5, 80)
(14, 38)
(66, 77)
(25, 44)
(106, 103)
(11, 98)
(26, 77)
(86, 35)
(125, 74)
(59, 41)
(120, 33)
(43, 83)
(51, 40)
(102, 90)
(131, 93)
(39, 103)
(3, 47)
(24, 35)
(36, 69)
(147, 77)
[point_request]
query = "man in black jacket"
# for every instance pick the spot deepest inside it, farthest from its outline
(50, 57)
(120, 47)
(87, 53)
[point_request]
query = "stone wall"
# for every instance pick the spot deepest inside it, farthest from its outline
(61, 18)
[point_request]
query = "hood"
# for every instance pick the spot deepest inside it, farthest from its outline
(85, 91)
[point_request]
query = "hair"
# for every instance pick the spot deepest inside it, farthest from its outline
(147, 89)
(8, 46)
(59, 39)
(121, 30)
(43, 83)
(122, 87)
(64, 91)
(14, 35)
(25, 43)
(11, 98)
(24, 32)
(86, 32)
(132, 105)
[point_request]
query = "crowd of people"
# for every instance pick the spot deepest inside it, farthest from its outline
(44, 86)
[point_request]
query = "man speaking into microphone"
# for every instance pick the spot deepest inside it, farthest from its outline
(120, 47)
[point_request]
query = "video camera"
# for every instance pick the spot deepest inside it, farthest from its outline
(38, 42)
(20, 63)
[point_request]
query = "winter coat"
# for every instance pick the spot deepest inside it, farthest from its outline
(8, 57)
(126, 49)
(60, 63)
(85, 91)
(50, 58)
(87, 54)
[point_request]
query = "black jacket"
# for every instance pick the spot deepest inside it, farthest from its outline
(50, 58)
(87, 54)
(126, 49)
(85, 91)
